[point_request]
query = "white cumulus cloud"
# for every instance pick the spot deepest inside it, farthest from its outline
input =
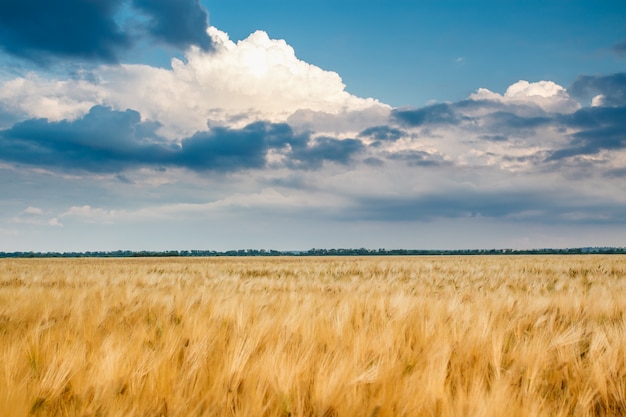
(547, 95)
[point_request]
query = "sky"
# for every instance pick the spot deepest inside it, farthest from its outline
(299, 124)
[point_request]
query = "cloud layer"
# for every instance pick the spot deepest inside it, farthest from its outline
(106, 140)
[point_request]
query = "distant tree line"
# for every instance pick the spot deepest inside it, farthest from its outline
(312, 252)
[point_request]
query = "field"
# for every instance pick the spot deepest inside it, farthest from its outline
(373, 336)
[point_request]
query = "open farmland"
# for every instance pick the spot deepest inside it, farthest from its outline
(370, 336)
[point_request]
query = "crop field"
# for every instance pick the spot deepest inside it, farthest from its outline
(319, 337)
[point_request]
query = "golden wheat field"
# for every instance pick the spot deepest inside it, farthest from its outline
(372, 336)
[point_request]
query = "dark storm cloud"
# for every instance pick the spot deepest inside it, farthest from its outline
(435, 114)
(515, 206)
(68, 28)
(42, 31)
(106, 140)
(601, 128)
(383, 133)
(179, 23)
(612, 87)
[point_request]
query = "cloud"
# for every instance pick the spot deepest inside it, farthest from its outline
(34, 97)
(82, 29)
(93, 214)
(620, 49)
(383, 133)
(616, 173)
(430, 115)
(107, 140)
(103, 140)
(33, 210)
(510, 123)
(460, 203)
(598, 128)
(96, 29)
(9, 232)
(226, 149)
(494, 138)
(180, 23)
(607, 90)
(36, 217)
(418, 158)
(345, 122)
(267, 200)
(546, 95)
(325, 149)
(537, 206)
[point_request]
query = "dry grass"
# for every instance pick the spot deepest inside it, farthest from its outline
(415, 336)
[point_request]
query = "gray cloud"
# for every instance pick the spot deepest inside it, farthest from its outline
(611, 87)
(106, 140)
(179, 23)
(601, 128)
(430, 115)
(616, 173)
(418, 158)
(325, 149)
(497, 120)
(620, 49)
(494, 138)
(452, 204)
(43, 31)
(103, 140)
(374, 162)
(549, 208)
(383, 133)
(508, 123)
(84, 29)
(225, 149)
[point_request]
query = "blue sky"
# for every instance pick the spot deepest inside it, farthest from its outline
(162, 124)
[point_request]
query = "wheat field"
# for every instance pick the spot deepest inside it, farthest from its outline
(371, 336)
